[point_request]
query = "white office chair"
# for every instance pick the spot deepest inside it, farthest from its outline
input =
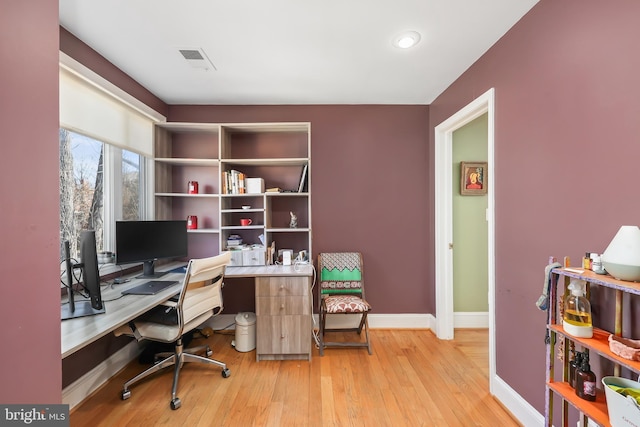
(200, 297)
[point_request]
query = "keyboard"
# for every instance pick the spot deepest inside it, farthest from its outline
(151, 287)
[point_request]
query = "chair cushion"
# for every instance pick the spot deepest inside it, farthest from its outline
(346, 304)
(164, 333)
(340, 271)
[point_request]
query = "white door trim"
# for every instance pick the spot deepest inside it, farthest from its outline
(443, 217)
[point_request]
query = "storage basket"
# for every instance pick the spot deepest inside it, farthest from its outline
(622, 411)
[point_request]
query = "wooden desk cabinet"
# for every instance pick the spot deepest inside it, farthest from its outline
(283, 318)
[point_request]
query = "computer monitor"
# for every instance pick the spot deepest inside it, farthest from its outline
(148, 241)
(90, 279)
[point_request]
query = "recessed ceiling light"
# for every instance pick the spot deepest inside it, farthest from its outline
(407, 39)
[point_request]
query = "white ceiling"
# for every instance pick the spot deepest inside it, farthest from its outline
(292, 51)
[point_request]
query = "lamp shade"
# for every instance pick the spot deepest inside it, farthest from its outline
(621, 259)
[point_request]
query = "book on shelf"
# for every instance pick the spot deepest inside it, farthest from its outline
(233, 182)
(269, 253)
(273, 190)
(302, 185)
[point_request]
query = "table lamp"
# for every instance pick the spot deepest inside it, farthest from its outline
(621, 259)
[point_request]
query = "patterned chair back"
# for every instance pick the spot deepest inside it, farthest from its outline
(340, 273)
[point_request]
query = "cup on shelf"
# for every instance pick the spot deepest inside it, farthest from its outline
(245, 221)
(192, 222)
(193, 187)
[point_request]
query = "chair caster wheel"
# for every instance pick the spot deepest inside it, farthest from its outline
(226, 373)
(175, 403)
(208, 352)
(125, 394)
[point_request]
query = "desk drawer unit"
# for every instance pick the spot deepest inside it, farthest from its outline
(283, 311)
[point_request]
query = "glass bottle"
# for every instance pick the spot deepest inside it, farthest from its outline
(586, 381)
(573, 368)
(577, 311)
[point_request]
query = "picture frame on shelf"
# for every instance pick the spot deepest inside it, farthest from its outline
(473, 178)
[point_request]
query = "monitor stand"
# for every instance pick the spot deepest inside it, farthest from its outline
(81, 309)
(148, 271)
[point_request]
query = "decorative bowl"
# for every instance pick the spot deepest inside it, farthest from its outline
(629, 273)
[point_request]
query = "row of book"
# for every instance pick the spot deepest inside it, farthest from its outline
(233, 182)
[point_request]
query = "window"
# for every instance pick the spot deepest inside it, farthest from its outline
(103, 178)
(99, 183)
(130, 186)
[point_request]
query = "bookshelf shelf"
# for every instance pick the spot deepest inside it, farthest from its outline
(195, 196)
(204, 231)
(189, 162)
(265, 162)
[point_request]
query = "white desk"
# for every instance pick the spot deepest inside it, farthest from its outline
(82, 331)
(270, 271)
(119, 310)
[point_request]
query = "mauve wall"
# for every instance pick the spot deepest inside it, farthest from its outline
(566, 152)
(369, 190)
(29, 217)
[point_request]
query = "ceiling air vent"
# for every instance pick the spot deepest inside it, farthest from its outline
(197, 58)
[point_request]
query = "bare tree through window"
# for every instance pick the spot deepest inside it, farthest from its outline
(82, 184)
(81, 189)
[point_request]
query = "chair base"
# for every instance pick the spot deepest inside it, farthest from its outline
(364, 325)
(179, 357)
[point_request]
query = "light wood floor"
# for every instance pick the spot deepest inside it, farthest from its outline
(412, 379)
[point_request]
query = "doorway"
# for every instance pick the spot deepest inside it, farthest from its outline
(444, 222)
(470, 230)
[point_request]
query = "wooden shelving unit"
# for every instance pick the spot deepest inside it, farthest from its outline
(202, 152)
(597, 345)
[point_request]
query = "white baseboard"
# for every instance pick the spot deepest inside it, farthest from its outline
(382, 321)
(76, 392)
(470, 320)
(379, 321)
(520, 408)
(402, 321)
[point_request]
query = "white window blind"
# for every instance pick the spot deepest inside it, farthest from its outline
(87, 108)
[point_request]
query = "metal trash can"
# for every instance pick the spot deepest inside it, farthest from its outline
(245, 331)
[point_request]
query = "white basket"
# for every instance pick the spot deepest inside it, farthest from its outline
(622, 412)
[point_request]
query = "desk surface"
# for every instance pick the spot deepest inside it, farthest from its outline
(119, 310)
(270, 271)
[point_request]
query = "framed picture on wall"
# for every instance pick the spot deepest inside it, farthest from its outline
(473, 178)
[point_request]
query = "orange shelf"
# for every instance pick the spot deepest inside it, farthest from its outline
(600, 344)
(597, 410)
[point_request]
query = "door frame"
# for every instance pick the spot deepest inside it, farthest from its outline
(444, 220)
